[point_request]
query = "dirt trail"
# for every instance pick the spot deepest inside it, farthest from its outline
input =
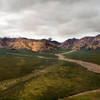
(90, 66)
(68, 52)
(9, 83)
(83, 93)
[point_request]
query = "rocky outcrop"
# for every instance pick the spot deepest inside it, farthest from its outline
(88, 43)
(68, 43)
(29, 44)
(45, 45)
(83, 43)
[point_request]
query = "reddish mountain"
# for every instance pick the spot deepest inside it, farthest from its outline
(44, 45)
(29, 44)
(68, 43)
(86, 43)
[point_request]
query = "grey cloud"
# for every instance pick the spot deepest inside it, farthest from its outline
(45, 18)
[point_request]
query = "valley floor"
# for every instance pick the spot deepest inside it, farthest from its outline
(90, 66)
(39, 77)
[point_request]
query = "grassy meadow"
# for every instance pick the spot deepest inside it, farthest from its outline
(24, 76)
(86, 55)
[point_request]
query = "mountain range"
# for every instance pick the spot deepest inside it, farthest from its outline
(45, 45)
(83, 43)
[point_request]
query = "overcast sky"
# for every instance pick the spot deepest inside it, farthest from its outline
(59, 19)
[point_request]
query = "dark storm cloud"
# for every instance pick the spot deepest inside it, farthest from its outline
(59, 19)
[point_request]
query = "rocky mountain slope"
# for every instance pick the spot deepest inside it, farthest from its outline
(83, 43)
(68, 43)
(45, 45)
(29, 44)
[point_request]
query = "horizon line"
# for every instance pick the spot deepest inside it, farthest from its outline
(47, 38)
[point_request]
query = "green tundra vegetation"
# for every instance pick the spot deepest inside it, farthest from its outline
(24, 76)
(23, 52)
(62, 50)
(86, 55)
(89, 96)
